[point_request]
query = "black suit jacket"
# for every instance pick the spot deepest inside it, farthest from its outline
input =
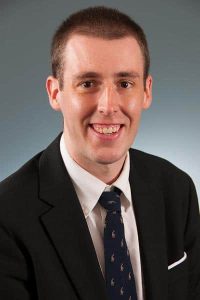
(46, 251)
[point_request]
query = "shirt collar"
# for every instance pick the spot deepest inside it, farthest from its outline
(88, 187)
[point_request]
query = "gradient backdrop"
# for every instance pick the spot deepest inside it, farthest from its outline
(170, 129)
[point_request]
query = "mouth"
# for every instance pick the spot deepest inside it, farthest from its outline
(106, 131)
(106, 128)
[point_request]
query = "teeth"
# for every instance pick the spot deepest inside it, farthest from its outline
(106, 129)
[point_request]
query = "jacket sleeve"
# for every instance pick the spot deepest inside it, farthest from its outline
(15, 282)
(192, 244)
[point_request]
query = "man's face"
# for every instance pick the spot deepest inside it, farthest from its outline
(102, 98)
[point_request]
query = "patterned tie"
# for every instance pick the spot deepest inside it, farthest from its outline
(119, 276)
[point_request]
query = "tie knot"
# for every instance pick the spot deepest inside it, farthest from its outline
(111, 200)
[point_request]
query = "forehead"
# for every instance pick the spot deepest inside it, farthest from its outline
(86, 53)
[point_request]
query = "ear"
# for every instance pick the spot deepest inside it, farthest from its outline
(53, 91)
(148, 92)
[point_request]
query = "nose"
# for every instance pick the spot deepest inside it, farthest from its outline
(108, 102)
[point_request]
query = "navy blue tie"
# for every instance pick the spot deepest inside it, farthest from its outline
(120, 282)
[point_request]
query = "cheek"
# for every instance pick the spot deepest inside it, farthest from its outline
(77, 108)
(133, 108)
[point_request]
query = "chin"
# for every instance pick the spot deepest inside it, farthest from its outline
(108, 159)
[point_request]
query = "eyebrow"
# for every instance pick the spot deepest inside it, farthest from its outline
(127, 74)
(85, 75)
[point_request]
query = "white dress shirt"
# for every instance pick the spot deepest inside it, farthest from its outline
(88, 189)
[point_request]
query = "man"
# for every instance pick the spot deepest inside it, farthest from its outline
(52, 235)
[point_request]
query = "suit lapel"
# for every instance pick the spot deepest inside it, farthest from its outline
(149, 212)
(67, 227)
(68, 232)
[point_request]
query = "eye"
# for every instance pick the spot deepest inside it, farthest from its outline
(125, 84)
(87, 84)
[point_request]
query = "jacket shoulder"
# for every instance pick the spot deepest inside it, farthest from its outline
(21, 177)
(175, 187)
(18, 189)
(157, 168)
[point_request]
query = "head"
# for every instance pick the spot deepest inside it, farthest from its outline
(100, 83)
(102, 22)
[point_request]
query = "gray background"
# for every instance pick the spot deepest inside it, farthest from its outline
(170, 129)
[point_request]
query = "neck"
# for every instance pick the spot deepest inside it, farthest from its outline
(107, 173)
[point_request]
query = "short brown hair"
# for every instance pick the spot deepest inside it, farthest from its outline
(98, 21)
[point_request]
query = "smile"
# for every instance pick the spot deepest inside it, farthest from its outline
(106, 129)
